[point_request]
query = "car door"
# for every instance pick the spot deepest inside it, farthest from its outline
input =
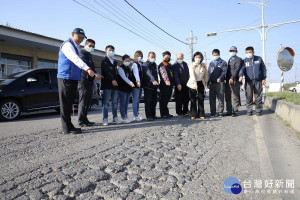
(54, 87)
(38, 91)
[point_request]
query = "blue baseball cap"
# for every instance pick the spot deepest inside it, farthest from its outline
(80, 32)
(233, 48)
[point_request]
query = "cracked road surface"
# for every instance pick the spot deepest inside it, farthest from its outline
(163, 159)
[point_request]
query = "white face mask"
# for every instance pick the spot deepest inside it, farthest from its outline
(90, 49)
(197, 60)
(249, 55)
(232, 54)
(111, 54)
(140, 59)
(179, 61)
(216, 57)
(152, 60)
(126, 63)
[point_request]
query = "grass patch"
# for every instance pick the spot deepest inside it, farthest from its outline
(286, 96)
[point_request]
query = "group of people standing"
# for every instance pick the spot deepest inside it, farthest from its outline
(121, 81)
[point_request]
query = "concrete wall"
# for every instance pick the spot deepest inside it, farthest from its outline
(286, 110)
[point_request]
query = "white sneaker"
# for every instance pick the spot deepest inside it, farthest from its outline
(116, 120)
(126, 121)
(105, 122)
(138, 118)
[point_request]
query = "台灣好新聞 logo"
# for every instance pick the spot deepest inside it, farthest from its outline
(232, 186)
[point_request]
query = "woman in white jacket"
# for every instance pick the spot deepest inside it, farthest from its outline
(197, 84)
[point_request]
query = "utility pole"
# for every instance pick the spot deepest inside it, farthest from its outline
(191, 40)
(262, 29)
(282, 77)
(205, 58)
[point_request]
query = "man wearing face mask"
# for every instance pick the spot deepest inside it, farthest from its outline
(216, 75)
(232, 85)
(68, 75)
(109, 85)
(255, 73)
(166, 84)
(85, 85)
(181, 76)
(150, 83)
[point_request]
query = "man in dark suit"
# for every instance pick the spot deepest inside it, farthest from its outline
(109, 85)
(150, 83)
(232, 85)
(86, 83)
(181, 76)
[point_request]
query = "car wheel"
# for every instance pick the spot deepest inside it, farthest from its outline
(10, 110)
(294, 90)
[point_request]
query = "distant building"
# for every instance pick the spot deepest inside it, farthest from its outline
(20, 50)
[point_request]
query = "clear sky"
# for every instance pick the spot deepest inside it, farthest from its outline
(57, 18)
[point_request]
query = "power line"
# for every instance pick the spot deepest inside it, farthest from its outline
(155, 24)
(118, 24)
(131, 19)
(161, 45)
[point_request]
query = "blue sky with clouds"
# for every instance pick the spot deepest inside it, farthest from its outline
(57, 18)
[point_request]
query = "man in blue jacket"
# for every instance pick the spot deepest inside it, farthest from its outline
(216, 75)
(68, 75)
(255, 73)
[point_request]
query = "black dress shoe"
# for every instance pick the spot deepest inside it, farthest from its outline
(73, 131)
(90, 122)
(150, 118)
(235, 114)
(228, 114)
(85, 124)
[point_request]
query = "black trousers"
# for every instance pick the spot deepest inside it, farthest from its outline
(67, 93)
(150, 99)
(182, 100)
(197, 112)
(85, 96)
(228, 97)
(165, 95)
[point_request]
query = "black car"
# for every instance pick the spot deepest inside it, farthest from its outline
(30, 90)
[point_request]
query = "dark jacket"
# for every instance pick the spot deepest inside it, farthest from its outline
(181, 75)
(122, 85)
(234, 68)
(149, 71)
(109, 72)
(168, 69)
(216, 71)
(88, 59)
(254, 69)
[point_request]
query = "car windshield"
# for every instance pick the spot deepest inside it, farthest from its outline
(16, 75)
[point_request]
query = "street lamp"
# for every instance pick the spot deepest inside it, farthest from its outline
(264, 28)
